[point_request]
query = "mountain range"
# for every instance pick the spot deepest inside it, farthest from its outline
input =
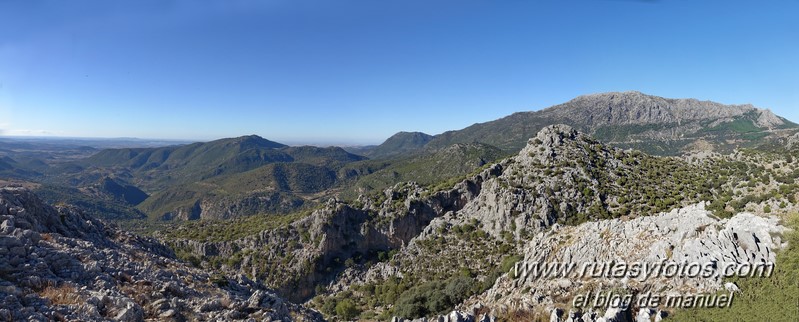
(251, 175)
(419, 228)
(653, 124)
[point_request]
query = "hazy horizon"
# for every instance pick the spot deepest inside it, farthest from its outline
(290, 142)
(296, 141)
(357, 72)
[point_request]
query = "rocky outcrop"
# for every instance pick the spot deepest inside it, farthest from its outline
(793, 141)
(681, 237)
(59, 264)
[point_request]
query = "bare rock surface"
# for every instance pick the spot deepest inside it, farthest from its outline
(59, 264)
(683, 236)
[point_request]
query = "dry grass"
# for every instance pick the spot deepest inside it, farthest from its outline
(61, 295)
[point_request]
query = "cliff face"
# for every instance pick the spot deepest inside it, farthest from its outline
(57, 263)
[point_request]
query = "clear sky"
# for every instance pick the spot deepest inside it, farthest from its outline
(344, 71)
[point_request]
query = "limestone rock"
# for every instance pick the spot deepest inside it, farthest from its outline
(75, 267)
(686, 235)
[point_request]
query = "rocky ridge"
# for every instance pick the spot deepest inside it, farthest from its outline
(617, 108)
(657, 125)
(792, 141)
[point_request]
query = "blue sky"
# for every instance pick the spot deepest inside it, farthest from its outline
(355, 72)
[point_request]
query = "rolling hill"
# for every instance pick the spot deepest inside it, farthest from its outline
(219, 179)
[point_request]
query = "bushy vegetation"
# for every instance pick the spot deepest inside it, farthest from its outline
(274, 188)
(611, 183)
(604, 183)
(433, 297)
(231, 229)
(433, 167)
(458, 262)
(226, 171)
(414, 297)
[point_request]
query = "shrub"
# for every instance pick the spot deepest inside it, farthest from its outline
(346, 309)
(769, 295)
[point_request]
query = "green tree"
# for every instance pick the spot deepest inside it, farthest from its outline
(346, 309)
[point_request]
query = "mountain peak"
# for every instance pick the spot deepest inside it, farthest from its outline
(557, 142)
(399, 143)
(625, 108)
(409, 136)
(658, 125)
(255, 141)
(556, 134)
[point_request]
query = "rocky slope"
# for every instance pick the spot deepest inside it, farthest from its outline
(59, 264)
(426, 167)
(605, 109)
